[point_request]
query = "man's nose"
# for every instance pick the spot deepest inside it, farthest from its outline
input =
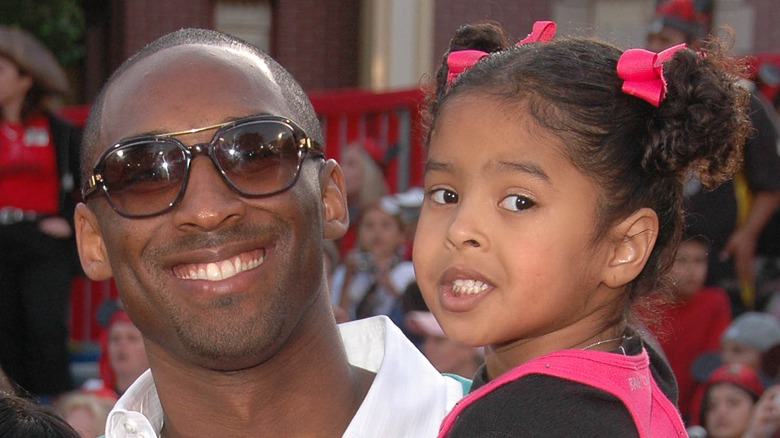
(207, 202)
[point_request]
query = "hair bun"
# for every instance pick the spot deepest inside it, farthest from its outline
(486, 36)
(700, 125)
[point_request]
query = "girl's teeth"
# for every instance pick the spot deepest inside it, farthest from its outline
(468, 287)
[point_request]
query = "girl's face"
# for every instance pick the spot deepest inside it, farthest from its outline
(727, 411)
(690, 268)
(503, 251)
(379, 233)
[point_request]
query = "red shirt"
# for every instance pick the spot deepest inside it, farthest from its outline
(28, 167)
(688, 329)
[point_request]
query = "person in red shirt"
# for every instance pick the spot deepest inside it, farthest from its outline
(39, 161)
(694, 322)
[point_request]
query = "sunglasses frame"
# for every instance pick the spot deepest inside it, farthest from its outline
(303, 142)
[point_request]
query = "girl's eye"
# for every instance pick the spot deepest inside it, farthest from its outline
(517, 203)
(444, 196)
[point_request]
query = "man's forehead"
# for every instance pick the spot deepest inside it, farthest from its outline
(198, 84)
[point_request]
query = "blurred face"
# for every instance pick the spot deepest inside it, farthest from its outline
(380, 233)
(727, 412)
(13, 85)
(83, 422)
(505, 230)
(352, 165)
(126, 351)
(263, 255)
(665, 38)
(735, 352)
(690, 268)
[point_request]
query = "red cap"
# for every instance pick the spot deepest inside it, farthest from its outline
(737, 374)
(688, 16)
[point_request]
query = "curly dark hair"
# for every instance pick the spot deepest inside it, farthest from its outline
(637, 154)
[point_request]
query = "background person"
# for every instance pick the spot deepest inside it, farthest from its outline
(122, 357)
(374, 275)
(734, 404)
(693, 322)
(734, 217)
(39, 158)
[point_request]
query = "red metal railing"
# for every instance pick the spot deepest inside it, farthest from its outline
(390, 120)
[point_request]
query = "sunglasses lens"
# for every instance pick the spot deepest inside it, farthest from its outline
(144, 178)
(259, 158)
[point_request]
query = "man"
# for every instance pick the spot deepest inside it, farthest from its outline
(737, 218)
(222, 270)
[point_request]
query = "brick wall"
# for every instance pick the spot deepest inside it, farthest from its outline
(317, 41)
(516, 17)
(146, 20)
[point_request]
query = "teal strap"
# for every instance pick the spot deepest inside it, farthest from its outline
(466, 383)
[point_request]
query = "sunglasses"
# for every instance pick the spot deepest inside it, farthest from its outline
(256, 156)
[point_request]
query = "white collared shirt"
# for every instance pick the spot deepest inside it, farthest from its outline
(408, 397)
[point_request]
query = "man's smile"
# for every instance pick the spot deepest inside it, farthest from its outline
(220, 269)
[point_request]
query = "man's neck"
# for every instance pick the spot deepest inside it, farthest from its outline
(303, 390)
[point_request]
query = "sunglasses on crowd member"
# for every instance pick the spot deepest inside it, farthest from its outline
(256, 156)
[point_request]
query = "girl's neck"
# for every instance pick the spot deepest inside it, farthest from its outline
(502, 358)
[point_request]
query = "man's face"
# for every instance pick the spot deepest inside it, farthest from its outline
(233, 322)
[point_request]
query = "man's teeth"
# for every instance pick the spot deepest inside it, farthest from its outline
(468, 287)
(216, 271)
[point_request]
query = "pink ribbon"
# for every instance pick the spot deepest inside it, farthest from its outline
(642, 72)
(462, 60)
(542, 31)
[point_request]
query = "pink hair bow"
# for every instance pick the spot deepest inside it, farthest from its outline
(542, 31)
(462, 60)
(642, 72)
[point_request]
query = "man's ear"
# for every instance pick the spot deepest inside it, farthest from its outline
(335, 216)
(634, 239)
(92, 250)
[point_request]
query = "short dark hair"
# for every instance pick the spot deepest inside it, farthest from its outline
(298, 101)
(23, 418)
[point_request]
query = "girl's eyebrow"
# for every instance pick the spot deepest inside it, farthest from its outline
(437, 166)
(530, 168)
(526, 167)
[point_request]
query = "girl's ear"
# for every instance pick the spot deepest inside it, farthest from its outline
(634, 241)
(335, 216)
(92, 250)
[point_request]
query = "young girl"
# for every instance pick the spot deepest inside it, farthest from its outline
(553, 188)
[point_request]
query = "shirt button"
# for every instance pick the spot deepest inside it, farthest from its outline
(130, 427)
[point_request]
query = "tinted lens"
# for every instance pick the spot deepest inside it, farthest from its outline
(145, 177)
(258, 158)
